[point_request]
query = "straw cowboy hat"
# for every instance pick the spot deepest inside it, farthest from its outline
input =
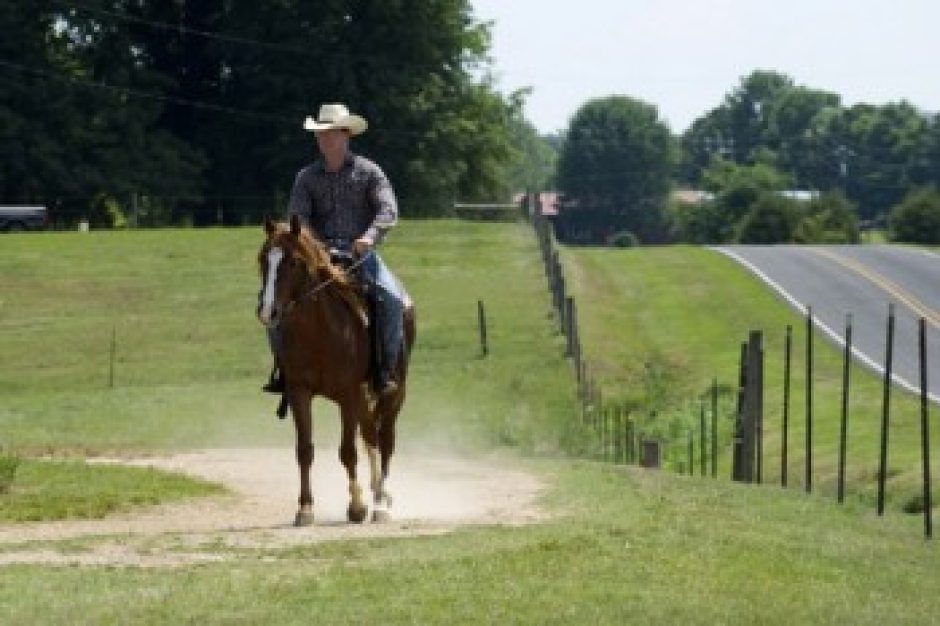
(336, 116)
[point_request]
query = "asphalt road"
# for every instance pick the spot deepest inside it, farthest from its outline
(861, 281)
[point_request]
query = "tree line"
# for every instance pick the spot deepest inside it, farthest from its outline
(751, 156)
(175, 111)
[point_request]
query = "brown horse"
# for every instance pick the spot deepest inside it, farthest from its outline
(325, 351)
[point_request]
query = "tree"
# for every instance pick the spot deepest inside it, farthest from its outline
(772, 219)
(917, 218)
(740, 129)
(533, 169)
(616, 163)
(199, 105)
(735, 191)
(830, 218)
(66, 139)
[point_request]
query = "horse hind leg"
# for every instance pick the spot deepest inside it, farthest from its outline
(357, 510)
(381, 499)
(380, 448)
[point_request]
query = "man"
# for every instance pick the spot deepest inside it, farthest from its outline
(347, 201)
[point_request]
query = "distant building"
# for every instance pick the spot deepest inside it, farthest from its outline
(546, 201)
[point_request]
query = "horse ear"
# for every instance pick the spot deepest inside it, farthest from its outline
(295, 225)
(269, 225)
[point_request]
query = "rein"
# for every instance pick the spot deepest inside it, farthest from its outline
(321, 286)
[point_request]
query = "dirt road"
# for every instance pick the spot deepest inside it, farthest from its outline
(431, 496)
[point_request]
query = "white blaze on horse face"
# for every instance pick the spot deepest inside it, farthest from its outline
(275, 255)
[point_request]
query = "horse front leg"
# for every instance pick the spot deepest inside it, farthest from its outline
(301, 408)
(349, 458)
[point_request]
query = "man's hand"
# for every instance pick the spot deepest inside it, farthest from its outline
(362, 245)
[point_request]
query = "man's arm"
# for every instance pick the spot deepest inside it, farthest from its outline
(382, 197)
(300, 202)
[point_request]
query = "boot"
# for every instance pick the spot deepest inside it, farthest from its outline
(275, 382)
(386, 383)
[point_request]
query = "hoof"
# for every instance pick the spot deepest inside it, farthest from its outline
(380, 516)
(304, 518)
(357, 514)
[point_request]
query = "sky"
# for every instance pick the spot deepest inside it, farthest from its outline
(684, 56)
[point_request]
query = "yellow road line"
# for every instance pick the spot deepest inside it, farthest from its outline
(932, 316)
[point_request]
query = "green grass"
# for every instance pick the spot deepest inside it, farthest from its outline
(633, 547)
(190, 355)
(51, 490)
(625, 546)
(686, 310)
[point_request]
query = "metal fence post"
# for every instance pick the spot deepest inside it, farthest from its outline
(886, 411)
(809, 400)
(844, 422)
(924, 428)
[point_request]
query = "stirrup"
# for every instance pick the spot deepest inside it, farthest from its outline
(275, 382)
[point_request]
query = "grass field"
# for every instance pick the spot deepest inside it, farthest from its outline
(629, 547)
(686, 310)
(190, 355)
(623, 545)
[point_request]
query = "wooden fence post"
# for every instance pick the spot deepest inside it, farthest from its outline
(481, 314)
(112, 356)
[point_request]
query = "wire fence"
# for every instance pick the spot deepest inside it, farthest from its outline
(617, 433)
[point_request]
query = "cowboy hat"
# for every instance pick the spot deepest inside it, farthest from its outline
(336, 116)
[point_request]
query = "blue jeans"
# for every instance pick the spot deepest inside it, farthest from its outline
(391, 308)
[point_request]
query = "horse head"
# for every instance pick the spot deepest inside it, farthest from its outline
(291, 262)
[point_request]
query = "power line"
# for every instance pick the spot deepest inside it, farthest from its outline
(129, 91)
(198, 104)
(240, 40)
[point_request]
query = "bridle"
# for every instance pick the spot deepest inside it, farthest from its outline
(313, 291)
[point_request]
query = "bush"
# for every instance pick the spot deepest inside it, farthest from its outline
(917, 218)
(830, 218)
(772, 219)
(8, 465)
(624, 239)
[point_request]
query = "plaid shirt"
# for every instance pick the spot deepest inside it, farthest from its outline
(357, 201)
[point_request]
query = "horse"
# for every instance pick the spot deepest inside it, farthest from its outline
(325, 351)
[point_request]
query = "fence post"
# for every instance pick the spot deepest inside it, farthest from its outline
(631, 451)
(737, 456)
(112, 356)
(714, 428)
(481, 314)
(809, 399)
(569, 326)
(844, 424)
(752, 413)
(691, 454)
(701, 440)
(886, 411)
(924, 428)
(787, 353)
(758, 409)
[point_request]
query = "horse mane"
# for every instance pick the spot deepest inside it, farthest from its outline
(316, 257)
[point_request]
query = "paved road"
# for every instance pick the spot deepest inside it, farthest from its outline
(861, 281)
